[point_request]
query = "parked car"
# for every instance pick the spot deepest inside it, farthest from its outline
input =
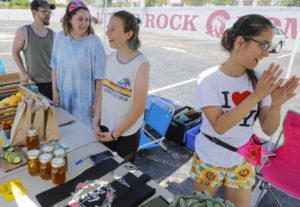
(278, 39)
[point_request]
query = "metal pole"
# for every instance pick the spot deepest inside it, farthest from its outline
(287, 75)
(105, 24)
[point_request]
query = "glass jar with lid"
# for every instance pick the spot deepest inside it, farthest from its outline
(33, 162)
(47, 149)
(45, 165)
(32, 140)
(61, 153)
(58, 170)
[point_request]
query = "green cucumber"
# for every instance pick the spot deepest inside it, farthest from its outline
(6, 154)
(11, 149)
(12, 157)
(5, 147)
(17, 159)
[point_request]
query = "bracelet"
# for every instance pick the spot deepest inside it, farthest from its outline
(112, 136)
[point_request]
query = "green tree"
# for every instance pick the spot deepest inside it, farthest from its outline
(290, 3)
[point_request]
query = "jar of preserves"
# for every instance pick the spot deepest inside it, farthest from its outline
(33, 162)
(32, 140)
(47, 149)
(58, 170)
(45, 165)
(61, 153)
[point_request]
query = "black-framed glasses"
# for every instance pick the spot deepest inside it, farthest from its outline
(264, 45)
(49, 13)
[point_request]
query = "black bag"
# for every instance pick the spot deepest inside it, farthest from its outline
(97, 186)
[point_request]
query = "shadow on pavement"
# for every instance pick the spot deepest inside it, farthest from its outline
(171, 170)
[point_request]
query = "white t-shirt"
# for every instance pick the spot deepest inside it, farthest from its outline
(214, 88)
(118, 92)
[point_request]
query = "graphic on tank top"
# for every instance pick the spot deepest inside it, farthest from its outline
(119, 90)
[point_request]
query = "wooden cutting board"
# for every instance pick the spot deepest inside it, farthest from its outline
(6, 166)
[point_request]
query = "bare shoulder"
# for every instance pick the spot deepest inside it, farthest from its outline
(20, 39)
(21, 32)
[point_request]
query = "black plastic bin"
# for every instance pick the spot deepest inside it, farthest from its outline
(176, 129)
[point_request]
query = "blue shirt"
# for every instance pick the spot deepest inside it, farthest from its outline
(78, 64)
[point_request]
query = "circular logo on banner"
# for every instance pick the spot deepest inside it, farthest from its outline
(216, 23)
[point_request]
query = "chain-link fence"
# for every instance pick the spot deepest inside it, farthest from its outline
(151, 3)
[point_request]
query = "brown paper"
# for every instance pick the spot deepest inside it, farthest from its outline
(22, 122)
(51, 129)
(39, 119)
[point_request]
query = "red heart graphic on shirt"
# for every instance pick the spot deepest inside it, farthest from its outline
(238, 97)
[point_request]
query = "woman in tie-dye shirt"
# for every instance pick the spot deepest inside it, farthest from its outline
(77, 63)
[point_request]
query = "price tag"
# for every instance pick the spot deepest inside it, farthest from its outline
(12, 189)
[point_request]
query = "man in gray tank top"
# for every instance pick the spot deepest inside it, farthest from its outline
(36, 40)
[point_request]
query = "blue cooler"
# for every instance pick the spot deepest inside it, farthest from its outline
(190, 136)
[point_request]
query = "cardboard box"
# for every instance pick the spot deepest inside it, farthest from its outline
(13, 79)
(177, 129)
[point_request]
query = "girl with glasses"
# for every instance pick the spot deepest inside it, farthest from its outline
(230, 97)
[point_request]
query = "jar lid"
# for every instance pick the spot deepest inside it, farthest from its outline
(31, 133)
(47, 149)
(33, 154)
(59, 153)
(57, 162)
(45, 158)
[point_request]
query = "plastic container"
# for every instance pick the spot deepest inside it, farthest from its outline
(190, 136)
(177, 128)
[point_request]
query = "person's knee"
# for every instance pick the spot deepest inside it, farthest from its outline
(199, 187)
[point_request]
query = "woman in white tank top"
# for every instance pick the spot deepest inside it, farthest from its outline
(119, 110)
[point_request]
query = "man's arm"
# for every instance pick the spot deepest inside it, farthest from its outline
(18, 45)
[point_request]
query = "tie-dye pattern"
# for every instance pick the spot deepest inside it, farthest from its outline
(78, 64)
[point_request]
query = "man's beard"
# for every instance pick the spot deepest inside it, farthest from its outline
(46, 22)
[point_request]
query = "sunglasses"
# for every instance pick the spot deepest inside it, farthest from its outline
(264, 45)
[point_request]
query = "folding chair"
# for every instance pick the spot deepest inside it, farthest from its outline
(156, 123)
(283, 170)
(2, 70)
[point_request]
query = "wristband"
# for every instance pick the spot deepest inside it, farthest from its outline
(112, 136)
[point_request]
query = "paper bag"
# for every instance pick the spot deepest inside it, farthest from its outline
(38, 114)
(22, 122)
(51, 128)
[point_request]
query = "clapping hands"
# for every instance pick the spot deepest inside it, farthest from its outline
(270, 83)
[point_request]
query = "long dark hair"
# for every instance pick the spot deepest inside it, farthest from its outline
(130, 22)
(246, 26)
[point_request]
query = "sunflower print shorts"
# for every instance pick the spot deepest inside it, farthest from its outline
(240, 176)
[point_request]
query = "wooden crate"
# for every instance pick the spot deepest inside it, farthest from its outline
(13, 79)
(9, 112)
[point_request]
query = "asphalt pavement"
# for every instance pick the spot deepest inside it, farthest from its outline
(175, 63)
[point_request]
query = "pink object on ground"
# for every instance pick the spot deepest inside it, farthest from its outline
(283, 171)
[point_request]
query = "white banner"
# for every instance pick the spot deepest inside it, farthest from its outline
(198, 22)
